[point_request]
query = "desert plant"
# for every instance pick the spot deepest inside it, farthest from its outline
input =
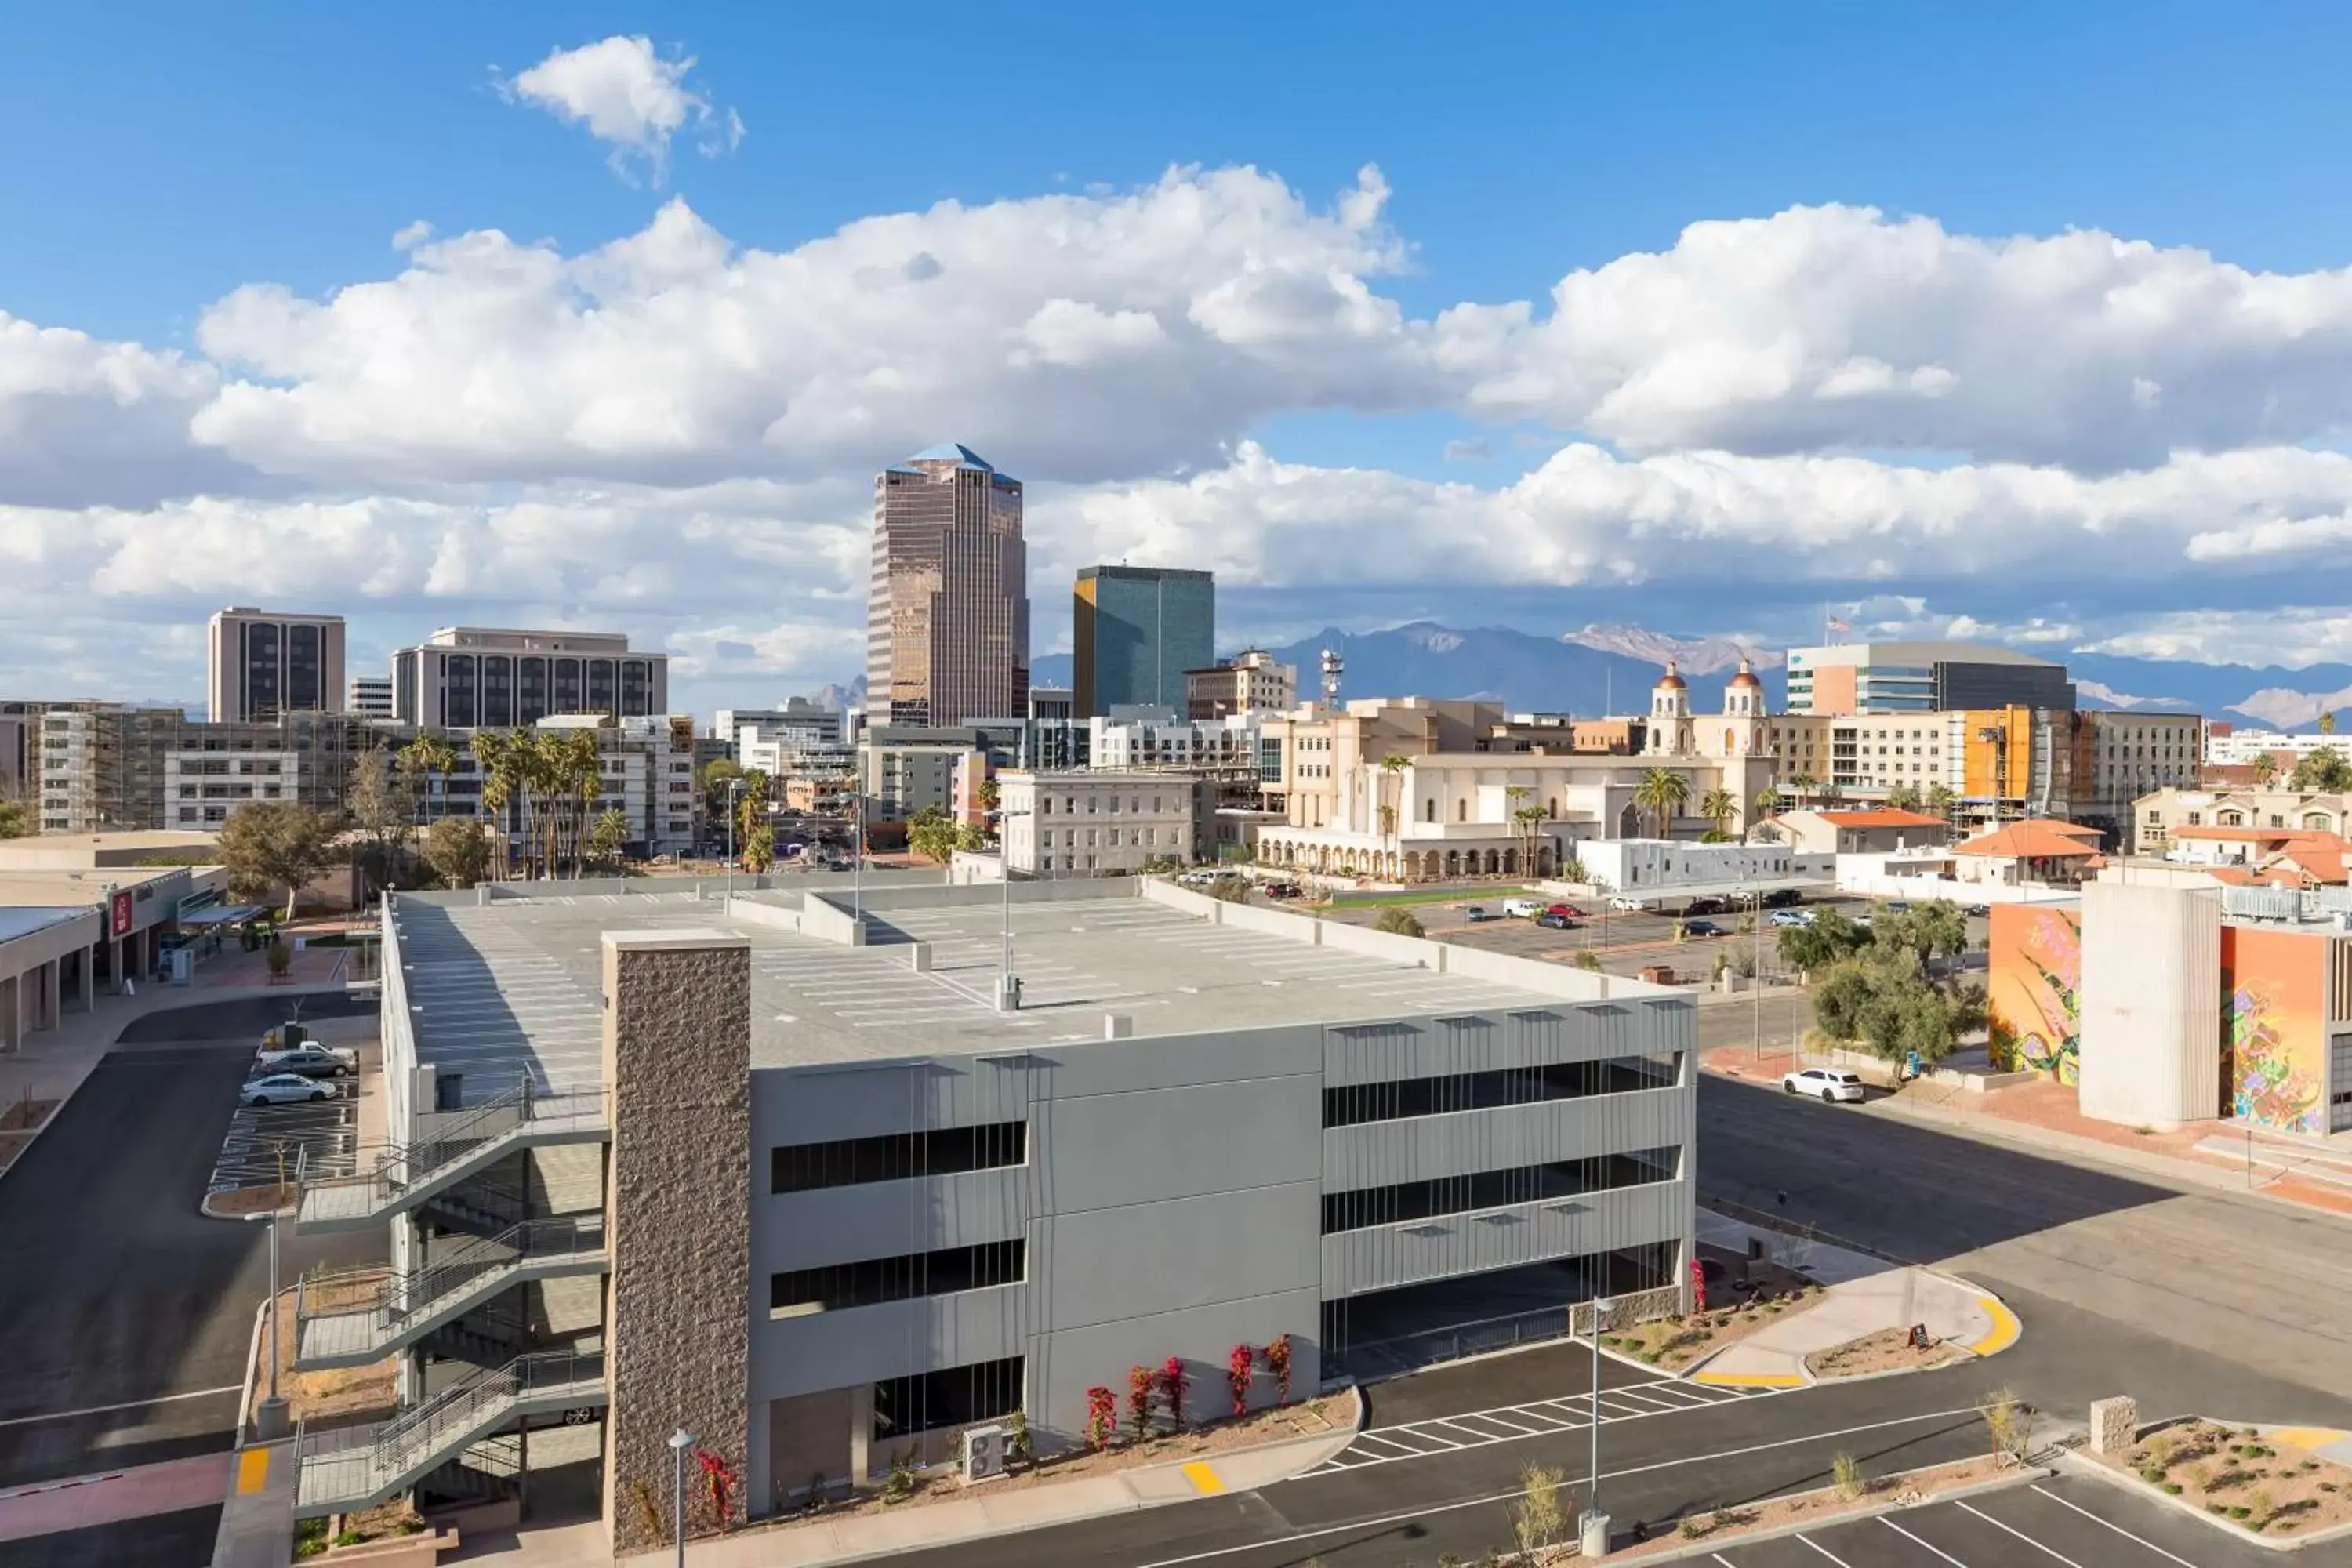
(1539, 1518)
(898, 1485)
(1588, 960)
(1018, 1445)
(279, 957)
(1240, 1363)
(1140, 1381)
(1102, 1416)
(1277, 1362)
(1397, 922)
(2008, 1422)
(1173, 1382)
(1845, 1474)
(649, 1516)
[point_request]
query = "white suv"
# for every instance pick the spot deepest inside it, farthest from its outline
(1523, 908)
(1826, 1084)
(1625, 904)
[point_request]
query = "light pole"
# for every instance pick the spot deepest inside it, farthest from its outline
(270, 1416)
(1594, 1542)
(857, 858)
(1008, 985)
(680, 1442)
(1755, 964)
(733, 787)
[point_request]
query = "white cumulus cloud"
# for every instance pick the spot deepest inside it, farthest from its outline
(623, 93)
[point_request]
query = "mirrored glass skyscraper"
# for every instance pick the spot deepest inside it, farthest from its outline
(1135, 631)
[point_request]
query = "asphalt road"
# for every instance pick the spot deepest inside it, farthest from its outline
(2257, 1285)
(128, 1315)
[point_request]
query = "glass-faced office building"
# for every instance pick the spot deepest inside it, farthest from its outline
(1135, 631)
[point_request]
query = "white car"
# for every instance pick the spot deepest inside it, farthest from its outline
(1792, 917)
(1625, 905)
(1523, 908)
(283, 1089)
(1828, 1084)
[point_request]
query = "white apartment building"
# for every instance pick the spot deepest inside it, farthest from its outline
(201, 788)
(465, 677)
(371, 696)
(1251, 682)
(1639, 868)
(798, 724)
(1094, 822)
(2242, 746)
(1138, 736)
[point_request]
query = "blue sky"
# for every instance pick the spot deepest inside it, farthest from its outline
(172, 157)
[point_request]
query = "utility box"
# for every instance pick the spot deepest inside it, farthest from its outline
(986, 1451)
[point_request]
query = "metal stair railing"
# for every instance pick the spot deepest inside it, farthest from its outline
(404, 1448)
(393, 1301)
(398, 1168)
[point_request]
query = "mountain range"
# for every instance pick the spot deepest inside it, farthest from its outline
(1609, 669)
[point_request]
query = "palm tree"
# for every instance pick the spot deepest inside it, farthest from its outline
(1526, 820)
(1662, 793)
(427, 757)
(1830, 792)
(2327, 721)
(1903, 797)
(1767, 801)
(1516, 794)
(1393, 768)
(2265, 769)
(1801, 785)
(1718, 807)
(1940, 801)
(497, 757)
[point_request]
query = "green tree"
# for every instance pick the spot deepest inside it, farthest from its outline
(931, 834)
(1398, 920)
(458, 849)
(611, 833)
(1767, 801)
(1393, 768)
(272, 847)
(1829, 938)
(1719, 806)
(1802, 785)
(424, 759)
(1940, 801)
(1662, 793)
(2323, 771)
(760, 848)
(2266, 769)
(1933, 930)
(1230, 889)
(1884, 1000)
(1903, 797)
(2327, 721)
(16, 819)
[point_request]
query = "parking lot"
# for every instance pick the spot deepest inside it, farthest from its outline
(2067, 1521)
(263, 1141)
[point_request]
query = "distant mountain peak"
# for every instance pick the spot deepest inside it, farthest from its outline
(1696, 655)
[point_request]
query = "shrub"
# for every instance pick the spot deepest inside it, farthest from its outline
(899, 1484)
(1399, 921)
(1171, 1388)
(1102, 1415)
(2008, 1422)
(1539, 1518)
(1019, 1446)
(1239, 1363)
(1588, 960)
(2173, 1489)
(1139, 1383)
(278, 957)
(1277, 1362)
(1845, 1474)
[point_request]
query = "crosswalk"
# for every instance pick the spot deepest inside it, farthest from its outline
(1509, 1424)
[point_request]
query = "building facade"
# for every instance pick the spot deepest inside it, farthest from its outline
(260, 666)
(1158, 738)
(369, 697)
(466, 678)
(798, 723)
(1921, 678)
(946, 630)
(2227, 745)
(1136, 634)
(2157, 817)
(1096, 822)
(1250, 682)
(891, 1241)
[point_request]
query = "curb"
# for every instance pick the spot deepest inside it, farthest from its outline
(252, 1373)
(2083, 1464)
(2025, 1474)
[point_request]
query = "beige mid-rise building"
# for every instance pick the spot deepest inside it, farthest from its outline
(1096, 823)
(261, 665)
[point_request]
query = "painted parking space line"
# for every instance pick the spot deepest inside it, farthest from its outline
(2012, 1530)
(1504, 1424)
(2118, 1528)
(50, 1415)
(1809, 1541)
(1926, 1545)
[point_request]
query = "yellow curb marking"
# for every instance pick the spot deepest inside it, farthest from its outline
(2006, 1329)
(1750, 1379)
(2309, 1438)
(1205, 1479)
(252, 1471)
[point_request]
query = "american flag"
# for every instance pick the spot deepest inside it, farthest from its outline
(1838, 625)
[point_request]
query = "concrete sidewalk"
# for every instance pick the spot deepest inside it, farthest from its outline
(1775, 1355)
(256, 1522)
(984, 1512)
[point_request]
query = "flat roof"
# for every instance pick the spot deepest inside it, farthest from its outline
(514, 986)
(24, 920)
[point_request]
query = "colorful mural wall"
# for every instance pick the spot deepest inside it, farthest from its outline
(2274, 1027)
(2033, 989)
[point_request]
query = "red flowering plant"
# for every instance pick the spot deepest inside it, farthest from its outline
(1277, 1362)
(1171, 1388)
(1140, 1385)
(1102, 1415)
(1241, 1362)
(721, 1481)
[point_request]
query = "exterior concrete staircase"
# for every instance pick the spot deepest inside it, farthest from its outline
(353, 1319)
(402, 1176)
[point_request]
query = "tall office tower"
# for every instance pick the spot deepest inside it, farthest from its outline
(260, 666)
(466, 678)
(1921, 678)
(947, 625)
(1136, 630)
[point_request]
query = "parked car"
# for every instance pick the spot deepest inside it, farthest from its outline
(1791, 918)
(1552, 920)
(1783, 899)
(1570, 910)
(1704, 907)
(1978, 912)
(1626, 904)
(283, 1089)
(310, 1061)
(1522, 908)
(1477, 912)
(1702, 928)
(1897, 907)
(1828, 1084)
(1283, 890)
(1197, 879)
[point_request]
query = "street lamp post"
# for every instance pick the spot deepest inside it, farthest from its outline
(733, 787)
(858, 860)
(1756, 965)
(270, 1416)
(1008, 985)
(680, 1442)
(1594, 1537)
